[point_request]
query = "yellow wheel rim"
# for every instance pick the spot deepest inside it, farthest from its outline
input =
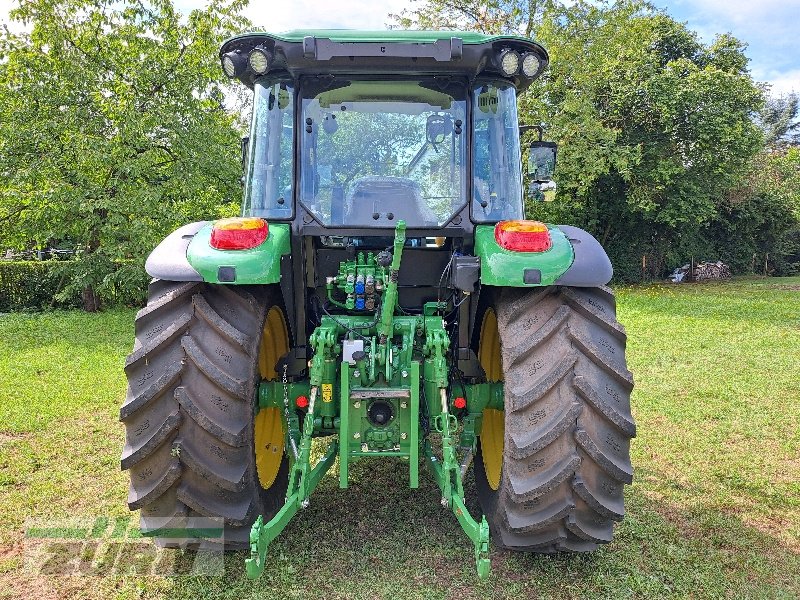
(269, 425)
(274, 343)
(489, 347)
(493, 425)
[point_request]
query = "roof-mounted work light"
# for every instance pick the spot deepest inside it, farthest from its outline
(260, 60)
(234, 63)
(509, 62)
(530, 64)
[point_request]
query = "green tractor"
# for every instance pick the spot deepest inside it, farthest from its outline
(382, 290)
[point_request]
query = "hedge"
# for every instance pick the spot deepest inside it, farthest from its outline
(40, 285)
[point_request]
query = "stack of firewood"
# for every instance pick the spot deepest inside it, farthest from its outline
(711, 270)
(702, 271)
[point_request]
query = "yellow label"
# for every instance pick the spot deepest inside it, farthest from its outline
(327, 392)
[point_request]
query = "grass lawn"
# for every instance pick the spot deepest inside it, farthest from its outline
(714, 510)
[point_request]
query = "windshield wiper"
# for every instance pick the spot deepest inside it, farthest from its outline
(419, 156)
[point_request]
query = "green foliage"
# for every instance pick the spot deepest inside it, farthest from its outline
(29, 285)
(112, 127)
(38, 285)
(486, 16)
(779, 120)
(655, 128)
(762, 217)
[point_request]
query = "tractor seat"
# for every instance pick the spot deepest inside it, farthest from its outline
(382, 201)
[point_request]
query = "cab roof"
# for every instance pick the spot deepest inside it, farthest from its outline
(344, 51)
(387, 35)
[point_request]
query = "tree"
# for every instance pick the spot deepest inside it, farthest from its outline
(779, 120)
(762, 215)
(653, 125)
(486, 16)
(113, 130)
(664, 120)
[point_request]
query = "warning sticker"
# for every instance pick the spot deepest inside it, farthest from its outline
(327, 392)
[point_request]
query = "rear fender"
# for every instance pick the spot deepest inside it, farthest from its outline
(574, 259)
(591, 266)
(168, 261)
(186, 255)
(259, 265)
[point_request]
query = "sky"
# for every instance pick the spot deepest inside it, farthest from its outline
(769, 27)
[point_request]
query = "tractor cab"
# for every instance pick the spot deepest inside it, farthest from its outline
(355, 132)
(362, 130)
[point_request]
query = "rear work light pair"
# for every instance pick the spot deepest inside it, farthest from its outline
(260, 59)
(523, 236)
(239, 233)
(235, 63)
(510, 63)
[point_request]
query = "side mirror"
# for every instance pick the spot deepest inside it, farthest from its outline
(438, 128)
(542, 161)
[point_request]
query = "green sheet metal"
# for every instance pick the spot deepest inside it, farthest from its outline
(506, 268)
(258, 265)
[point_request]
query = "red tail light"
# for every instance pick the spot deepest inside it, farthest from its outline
(523, 236)
(238, 233)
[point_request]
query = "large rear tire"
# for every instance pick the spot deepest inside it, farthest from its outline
(550, 474)
(190, 406)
